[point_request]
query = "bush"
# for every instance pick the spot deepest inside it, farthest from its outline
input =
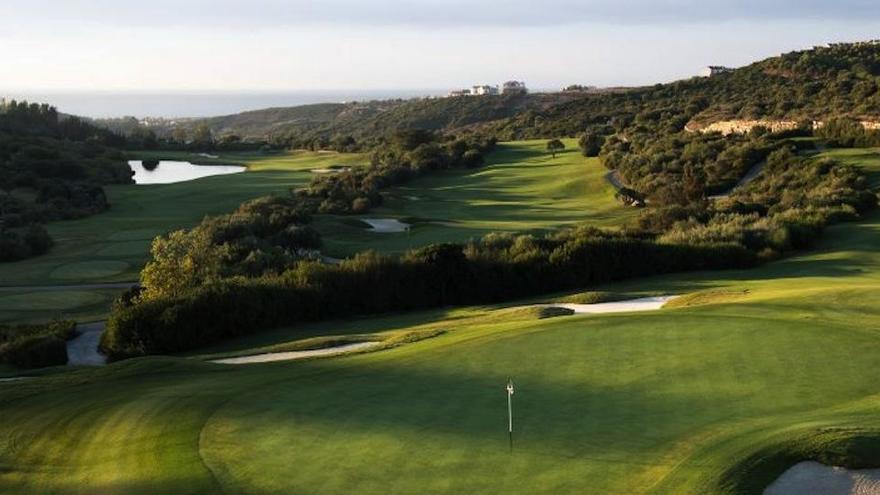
(485, 271)
(35, 346)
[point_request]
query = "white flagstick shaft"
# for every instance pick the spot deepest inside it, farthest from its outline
(509, 413)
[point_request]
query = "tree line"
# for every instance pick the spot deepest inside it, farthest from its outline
(52, 167)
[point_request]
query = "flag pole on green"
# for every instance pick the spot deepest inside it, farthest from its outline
(510, 412)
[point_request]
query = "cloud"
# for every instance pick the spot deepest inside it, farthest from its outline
(428, 13)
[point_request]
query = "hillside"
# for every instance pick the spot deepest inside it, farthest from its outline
(324, 125)
(804, 85)
(841, 80)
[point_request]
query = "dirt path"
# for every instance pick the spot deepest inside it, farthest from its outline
(641, 304)
(82, 350)
(749, 177)
(292, 355)
(818, 479)
(613, 178)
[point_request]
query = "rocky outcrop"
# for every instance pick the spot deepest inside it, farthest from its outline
(743, 126)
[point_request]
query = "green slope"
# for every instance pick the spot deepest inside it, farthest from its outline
(664, 402)
(522, 189)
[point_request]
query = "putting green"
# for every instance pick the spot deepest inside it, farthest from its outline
(48, 300)
(126, 248)
(85, 270)
(135, 235)
(41, 306)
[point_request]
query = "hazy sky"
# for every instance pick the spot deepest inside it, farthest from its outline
(197, 45)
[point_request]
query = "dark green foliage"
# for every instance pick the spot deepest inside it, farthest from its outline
(493, 269)
(683, 167)
(50, 169)
(264, 235)
(591, 143)
(554, 146)
(847, 133)
(35, 346)
(20, 243)
(403, 156)
(553, 312)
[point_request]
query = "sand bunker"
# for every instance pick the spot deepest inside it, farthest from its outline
(292, 355)
(14, 379)
(386, 225)
(82, 350)
(641, 304)
(818, 479)
(331, 170)
(208, 155)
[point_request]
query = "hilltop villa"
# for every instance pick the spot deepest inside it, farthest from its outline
(514, 87)
(714, 70)
(510, 87)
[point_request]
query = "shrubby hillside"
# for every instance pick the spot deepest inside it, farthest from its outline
(51, 168)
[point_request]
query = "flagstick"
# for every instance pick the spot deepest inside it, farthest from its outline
(510, 413)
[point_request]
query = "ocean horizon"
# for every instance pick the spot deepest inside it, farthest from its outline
(99, 104)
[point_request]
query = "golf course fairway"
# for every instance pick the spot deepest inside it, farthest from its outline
(659, 402)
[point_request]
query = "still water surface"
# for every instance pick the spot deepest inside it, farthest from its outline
(169, 172)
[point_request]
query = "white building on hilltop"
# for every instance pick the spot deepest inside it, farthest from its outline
(514, 87)
(484, 89)
(714, 70)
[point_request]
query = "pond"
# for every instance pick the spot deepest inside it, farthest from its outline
(169, 172)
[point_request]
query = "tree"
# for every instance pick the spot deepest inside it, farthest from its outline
(591, 144)
(554, 146)
(203, 138)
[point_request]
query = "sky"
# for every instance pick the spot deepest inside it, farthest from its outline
(275, 45)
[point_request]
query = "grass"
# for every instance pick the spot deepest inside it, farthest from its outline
(775, 362)
(522, 189)
(113, 246)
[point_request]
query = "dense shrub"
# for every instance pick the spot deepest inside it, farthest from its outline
(493, 269)
(402, 157)
(35, 346)
(18, 244)
(51, 168)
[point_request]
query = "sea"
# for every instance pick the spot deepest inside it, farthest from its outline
(198, 104)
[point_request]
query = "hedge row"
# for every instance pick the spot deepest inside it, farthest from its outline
(440, 275)
(35, 346)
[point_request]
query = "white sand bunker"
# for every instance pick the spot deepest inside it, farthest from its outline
(818, 479)
(330, 170)
(292, 355)
(14, 379)
(208, 155)
(641, 304)
(386, 225)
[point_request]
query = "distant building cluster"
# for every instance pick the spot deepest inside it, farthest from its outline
(578, 88)
(715, 70)
(508, 88)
